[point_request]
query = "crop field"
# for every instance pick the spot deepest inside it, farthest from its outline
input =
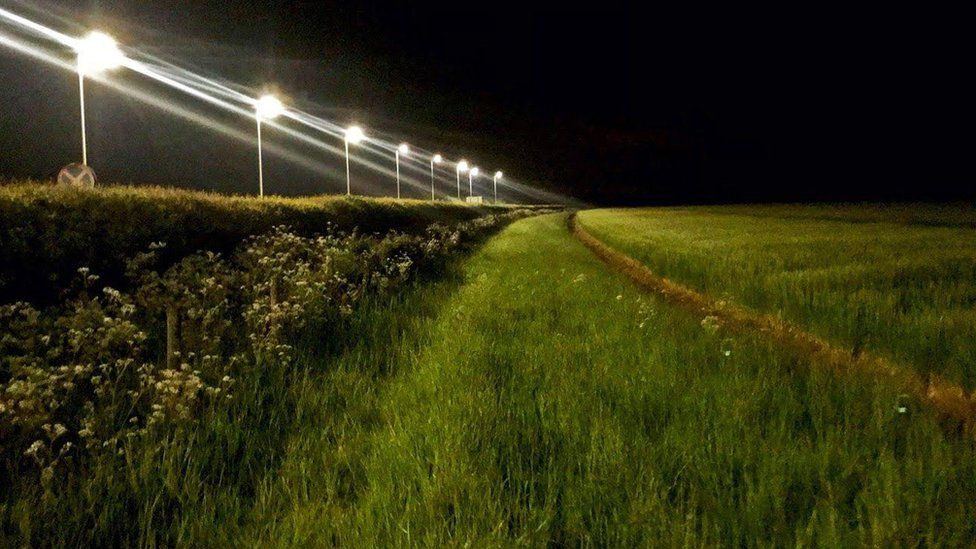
(484, 379)
(898, 281)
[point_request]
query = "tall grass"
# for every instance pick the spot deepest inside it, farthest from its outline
(903, 288)
(547, 402)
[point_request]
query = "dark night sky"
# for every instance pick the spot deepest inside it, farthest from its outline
(610, 102)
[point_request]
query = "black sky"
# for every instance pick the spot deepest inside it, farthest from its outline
(609, 102)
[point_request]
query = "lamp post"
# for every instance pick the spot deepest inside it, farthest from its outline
(354, 134)
(97, 52)
(435, 160)
(494, 180)
(268, 107)
(403, 149)
(462, 166)
(471, 175)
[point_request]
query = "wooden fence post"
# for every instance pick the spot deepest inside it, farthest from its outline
(172, 329)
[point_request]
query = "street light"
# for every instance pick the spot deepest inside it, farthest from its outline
(471, 175)
(354, 134)
(97, 53)
(268, 107)
(462, 166)
(403, 149)
(435, 160)
(494, 180)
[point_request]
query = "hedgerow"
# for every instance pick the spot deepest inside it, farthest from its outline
(48, 232)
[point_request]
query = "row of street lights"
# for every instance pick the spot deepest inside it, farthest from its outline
(98, 52)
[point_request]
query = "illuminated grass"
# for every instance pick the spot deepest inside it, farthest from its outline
(546, 401)
(533, 397)
(904, 288)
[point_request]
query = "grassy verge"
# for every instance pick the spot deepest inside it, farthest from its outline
(903, 289)
(547, 401)
(208, 485)
(312, 492)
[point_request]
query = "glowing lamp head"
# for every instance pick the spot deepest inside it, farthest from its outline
(98, 52)
(403, 148)
(462, 166)
(269, 107)
(354, 134)
(474, 172)
(437, 159)
(498, 175)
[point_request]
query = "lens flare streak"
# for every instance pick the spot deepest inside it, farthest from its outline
(223, 96)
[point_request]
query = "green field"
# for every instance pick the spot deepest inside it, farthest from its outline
(899, 281)
(515, 390)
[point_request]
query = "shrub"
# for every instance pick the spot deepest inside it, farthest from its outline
(48, 232)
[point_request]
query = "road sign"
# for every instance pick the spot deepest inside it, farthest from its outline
(476, 200)
(77, 175)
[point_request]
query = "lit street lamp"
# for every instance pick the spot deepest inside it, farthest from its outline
(268, 107)
(97, 53)
(462, 166)
(435, 160)
(354, 134)
(471, 175)
(494, 180)
(403, 149)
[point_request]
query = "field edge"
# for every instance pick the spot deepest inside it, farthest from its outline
(954, 404)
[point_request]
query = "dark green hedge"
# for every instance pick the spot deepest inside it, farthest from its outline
(48, 232)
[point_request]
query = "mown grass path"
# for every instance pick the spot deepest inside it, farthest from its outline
(546, 400)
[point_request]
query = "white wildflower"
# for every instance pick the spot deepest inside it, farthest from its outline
(711, 324)
(34, 449)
